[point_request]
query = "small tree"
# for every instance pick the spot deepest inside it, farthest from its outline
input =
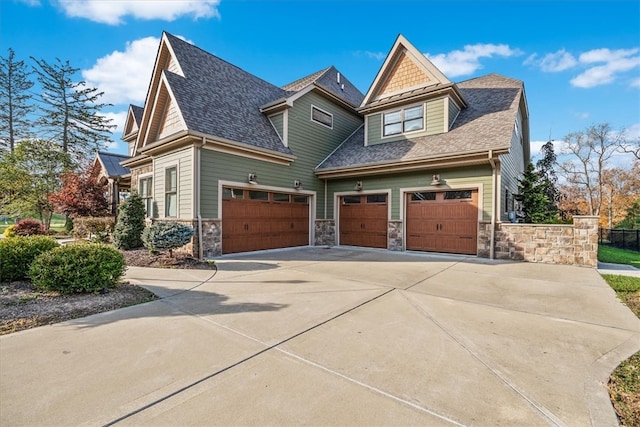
(130, 224)
(166, 236)
(534, 202)
(545, 167)
(80, 195)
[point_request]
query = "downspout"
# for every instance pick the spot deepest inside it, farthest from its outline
(325, 200)
(196, 166)
(494, 180)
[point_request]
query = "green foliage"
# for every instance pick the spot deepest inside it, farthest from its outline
(130, 223)
(548, 180)
(29, 227)
(632, 219)
(166, 236)
(10, 231)
(535, 203)
(15, 101)
(82, 267)
(17, 254)
(99, 228)
(618, 256)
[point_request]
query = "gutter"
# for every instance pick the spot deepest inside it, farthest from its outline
(494, 179)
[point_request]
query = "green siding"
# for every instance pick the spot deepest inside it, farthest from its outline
(453, 177)
(310, 143)
(511, 168)
(435, 116)
(453, 112)
(277, 120)
(183, 159)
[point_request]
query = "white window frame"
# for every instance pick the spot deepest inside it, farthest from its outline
(324, 112)
(166, 193)
(146, 199)
(402, 121)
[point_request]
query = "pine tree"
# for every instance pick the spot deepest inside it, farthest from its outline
(130, 224)
(15, 105)
(71, 112)
(545, 168)
(531, 193)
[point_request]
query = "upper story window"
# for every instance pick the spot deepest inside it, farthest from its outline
(171, 192)
(403, 121)
(321, 117)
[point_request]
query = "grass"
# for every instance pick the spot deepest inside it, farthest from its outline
(624, 384)
(57, 223)
(618, 256)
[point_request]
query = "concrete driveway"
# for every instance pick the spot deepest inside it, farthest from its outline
(332, 337)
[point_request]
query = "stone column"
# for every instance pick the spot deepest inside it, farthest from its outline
(585, 240)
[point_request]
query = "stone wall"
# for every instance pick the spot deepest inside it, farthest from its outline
(325, 232)
(575, 244)
(395, 235)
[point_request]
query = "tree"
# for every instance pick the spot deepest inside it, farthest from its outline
(535, 204)
(130, 224)
(166, 236)
(71, 112)
(80, 195)
(15, 105)
(545, 168)
(631, 146)
(589, 152)
(32, 175)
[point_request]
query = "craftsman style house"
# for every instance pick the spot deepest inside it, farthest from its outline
(417, 163)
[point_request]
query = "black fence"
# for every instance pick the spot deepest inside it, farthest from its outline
(620, 238)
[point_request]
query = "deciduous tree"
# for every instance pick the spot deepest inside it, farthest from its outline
(80, 195)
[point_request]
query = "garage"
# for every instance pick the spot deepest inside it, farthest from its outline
(445, 221)
(363, 220)
(255, 220)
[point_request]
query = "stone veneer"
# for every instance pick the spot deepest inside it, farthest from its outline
(395, 235)
(325, 232)
(575, 244)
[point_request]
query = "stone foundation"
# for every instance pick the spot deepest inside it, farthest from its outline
(574, 244)
(395, 236)
(325, 232)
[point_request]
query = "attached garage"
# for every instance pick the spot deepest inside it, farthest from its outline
(445, 221)
(363, 220)
(255, 220)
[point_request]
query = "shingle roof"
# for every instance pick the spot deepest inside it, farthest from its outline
(137, 113)
(112, 164)
(219, 99)
(486, 124)
(328, 80)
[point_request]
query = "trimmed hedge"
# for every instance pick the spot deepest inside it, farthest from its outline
(80, 267)
(17, 254)
(99, 228)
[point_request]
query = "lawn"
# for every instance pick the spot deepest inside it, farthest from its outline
(618, 256)
(57, 223)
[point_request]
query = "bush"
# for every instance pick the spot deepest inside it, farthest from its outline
(166, 236)
(80, 267)
(10, 231)
(17, 254)
(99, 228)
(130, 224)
(29, 227)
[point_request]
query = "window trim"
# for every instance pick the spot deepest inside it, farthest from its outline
(324, 112)
(166, 193)
(403, 120)
(144, 197)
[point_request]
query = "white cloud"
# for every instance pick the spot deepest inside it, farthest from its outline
(467, 61)
(553, 62)
(536, 146)
(113, 12)
(615, 62)
(124, 76)
(375, 55)
(635, 82)
(118, 119)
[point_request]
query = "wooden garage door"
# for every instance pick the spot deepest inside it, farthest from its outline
(257, 220)
(363, 220)
(445, 221)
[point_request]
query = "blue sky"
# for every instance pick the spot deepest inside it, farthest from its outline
(579, 60)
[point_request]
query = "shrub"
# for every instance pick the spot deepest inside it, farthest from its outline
(166, 236)
(80, 267)
(10, 231)
(130, 224)
(99, 228)
(17, 254)
(29, 227)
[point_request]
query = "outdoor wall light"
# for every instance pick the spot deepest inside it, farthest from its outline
(253, 178)
(297, 184)
(358, 186)
(435, 180)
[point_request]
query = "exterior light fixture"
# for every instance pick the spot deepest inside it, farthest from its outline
(297, 184)
(358, 186)
(253, 178)
(435, 180)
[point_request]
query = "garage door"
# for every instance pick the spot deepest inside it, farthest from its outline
(256, 220)
(444, 221)
(363, 220)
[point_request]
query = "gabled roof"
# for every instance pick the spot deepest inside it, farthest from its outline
(214, 97)
(132, 123)
(486, 124)
(111, 164)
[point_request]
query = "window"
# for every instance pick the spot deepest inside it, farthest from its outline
(423, 196)
(171, 192)
(454, 195)
(301, 199)
(322, 117)
(403, 121)
(259, 195)
(351, 200)
(377, 198)
(146, 192)
(232, 193)
(280, 197)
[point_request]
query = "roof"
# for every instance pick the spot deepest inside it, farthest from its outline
(111, 163)
(486, 124)
(137, 113)
(220, 99)
(328, 79)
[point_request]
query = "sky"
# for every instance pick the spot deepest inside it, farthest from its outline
(579, 60)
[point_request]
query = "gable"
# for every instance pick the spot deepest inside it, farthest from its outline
(165, 117)
(404, 75)
(130, 124)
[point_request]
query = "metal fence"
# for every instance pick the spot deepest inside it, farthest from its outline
(620, 238)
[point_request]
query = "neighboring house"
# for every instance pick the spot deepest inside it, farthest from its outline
(418, 163)
(107, 169)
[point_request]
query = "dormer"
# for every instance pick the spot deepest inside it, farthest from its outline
(409, 97)
(131, 127)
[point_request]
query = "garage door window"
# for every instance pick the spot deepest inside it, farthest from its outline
(281, 197)
(377, 198)
(455, 195)
(422, 196)
(301, 199)
(351, 200)
(259, 195)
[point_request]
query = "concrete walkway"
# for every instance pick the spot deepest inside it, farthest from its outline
(620, 269)
(332, 337)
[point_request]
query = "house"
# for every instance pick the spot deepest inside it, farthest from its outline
(106, 169)
(419, 162)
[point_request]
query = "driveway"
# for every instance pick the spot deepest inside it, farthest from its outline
(332, 337)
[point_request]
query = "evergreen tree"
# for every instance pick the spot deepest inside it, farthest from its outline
(71, 112)
(15, 105)
(545, 167)
(130, 224)
(534, 201)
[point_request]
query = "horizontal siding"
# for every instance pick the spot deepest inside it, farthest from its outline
(512, 167)
(184, 161)
(435, 116)
(277, 122)
(453, 177)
